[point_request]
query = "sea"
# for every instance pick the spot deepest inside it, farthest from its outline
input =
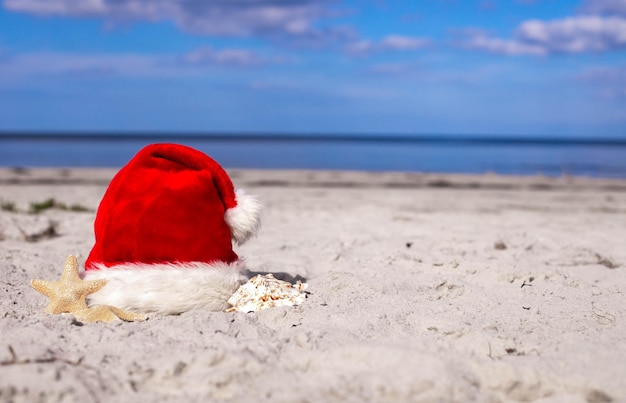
(548, 156)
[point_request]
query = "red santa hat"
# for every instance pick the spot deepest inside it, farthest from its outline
(163, 233)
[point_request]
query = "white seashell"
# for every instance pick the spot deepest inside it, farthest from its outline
(265, 291)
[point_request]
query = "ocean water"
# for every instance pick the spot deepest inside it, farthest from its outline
(428, 154)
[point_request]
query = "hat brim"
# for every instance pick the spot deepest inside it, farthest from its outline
(167, 289)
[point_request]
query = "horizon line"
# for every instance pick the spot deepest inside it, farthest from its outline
(434, 138)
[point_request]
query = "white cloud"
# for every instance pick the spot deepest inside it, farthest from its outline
(600, 27)
(230, 57)
(580, 34)
(19, 68)
(285, 19)
(50, 64)
(58, 7)
(503, 46)
(608, 82)
(398, 42)
(605, 7)
(390, 42)
(393, 69)
(575, 34)
(615, 74)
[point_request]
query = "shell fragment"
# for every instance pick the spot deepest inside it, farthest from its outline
(265, 291)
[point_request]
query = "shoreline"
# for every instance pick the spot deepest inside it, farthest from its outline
(331, 179)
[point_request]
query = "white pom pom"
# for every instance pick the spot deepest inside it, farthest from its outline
(244, 219)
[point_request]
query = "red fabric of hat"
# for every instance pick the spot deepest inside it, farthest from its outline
(164, 226)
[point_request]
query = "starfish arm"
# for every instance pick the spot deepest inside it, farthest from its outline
(105, 313)
(70, 270)
(127, 316)
(42, 286)
(93, 286)
(56, 307)
(98, 313)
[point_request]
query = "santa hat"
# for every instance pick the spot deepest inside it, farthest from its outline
(163, 233)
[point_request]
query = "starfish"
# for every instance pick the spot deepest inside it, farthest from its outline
(69, 295)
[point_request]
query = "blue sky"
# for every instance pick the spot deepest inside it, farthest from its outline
(518, 67)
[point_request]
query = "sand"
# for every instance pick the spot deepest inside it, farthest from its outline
(425, 288)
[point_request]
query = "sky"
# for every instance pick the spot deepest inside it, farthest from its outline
(462, 67)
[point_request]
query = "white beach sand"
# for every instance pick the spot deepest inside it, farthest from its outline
(425, 288)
